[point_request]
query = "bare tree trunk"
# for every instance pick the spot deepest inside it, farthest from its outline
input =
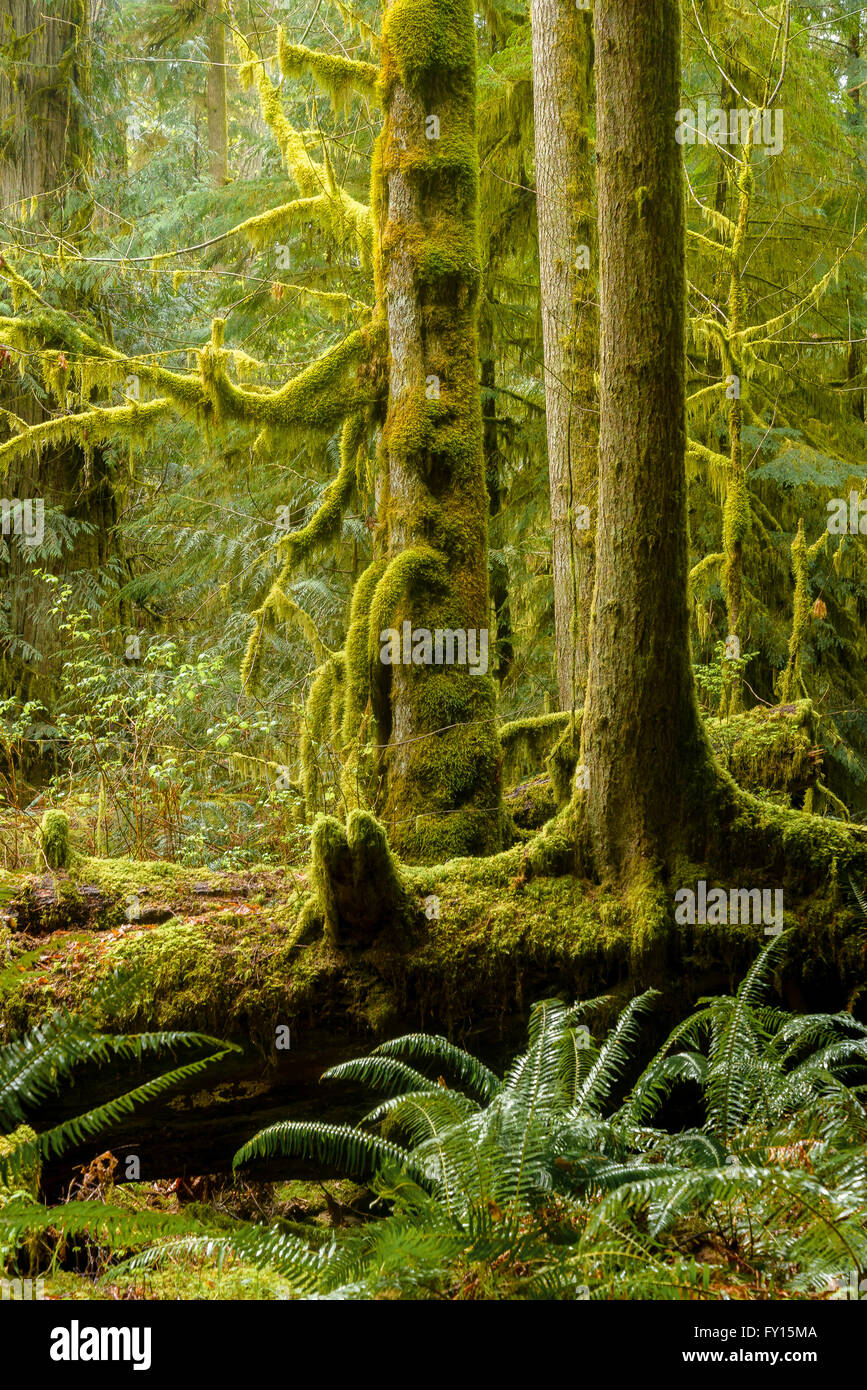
(218, 120)
(562, 87)
(647, 759)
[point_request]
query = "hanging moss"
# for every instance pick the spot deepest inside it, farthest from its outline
(87, 429)
(319, 708)
(341, 78)
(791, 684)
(322, 527)
(358, 654)
(318, 398)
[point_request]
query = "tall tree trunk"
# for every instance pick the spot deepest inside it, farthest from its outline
(442, 762)
(737, 510)
(642, 741)
(562, 93)
(48, 150)
(854, 360)
(498, 569)
(218, 120)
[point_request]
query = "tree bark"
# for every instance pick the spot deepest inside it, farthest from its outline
(441, 759)
(498, 569)
(218, 120)
(562, 86)
(642, 740)
(854, 357)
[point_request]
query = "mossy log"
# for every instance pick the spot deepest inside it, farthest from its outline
(473, 945)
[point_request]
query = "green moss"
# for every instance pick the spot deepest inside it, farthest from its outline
(507, 928)
(429, 40)
(341, 78)
(320, 704)
(526, 743)
(17, 1179)
(769, 749)
(563, 759)
(790, 683)
(357, 648)
(411, 571)
(127, 876)
(356, 878)
(55, 839)
(531, 804)
(16, 1176)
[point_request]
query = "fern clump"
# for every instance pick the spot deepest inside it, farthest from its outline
(560, 1174)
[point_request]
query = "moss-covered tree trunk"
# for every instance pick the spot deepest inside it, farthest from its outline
(562, 87)
(46, 156)
(737, 510)
(642, 742)
(435, 719)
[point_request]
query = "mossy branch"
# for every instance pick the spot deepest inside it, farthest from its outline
(421, 565)
(759, 333)
(357, 649)
(85, 429)
(104, 364)
(307, 175)
(317, 398)
(704, 569)
(791, 679)
(340, 78)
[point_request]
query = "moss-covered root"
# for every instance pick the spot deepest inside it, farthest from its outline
(357, 880)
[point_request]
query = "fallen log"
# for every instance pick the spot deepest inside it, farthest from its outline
(476, 943)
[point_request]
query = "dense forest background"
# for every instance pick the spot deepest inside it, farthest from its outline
(329, 332)
(126, 173)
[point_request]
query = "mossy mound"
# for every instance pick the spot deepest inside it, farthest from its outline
(55, 839)
(769, 749)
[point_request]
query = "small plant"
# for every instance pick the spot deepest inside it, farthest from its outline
(716, 680)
